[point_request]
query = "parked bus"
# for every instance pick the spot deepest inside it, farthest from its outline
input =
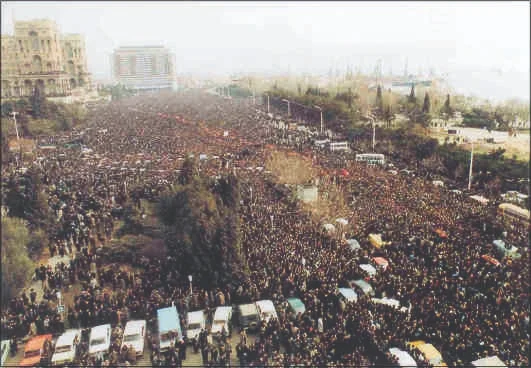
(371, 158)
(513, 213)
(339, 146)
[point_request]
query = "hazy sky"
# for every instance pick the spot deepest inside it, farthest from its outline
(224, 37)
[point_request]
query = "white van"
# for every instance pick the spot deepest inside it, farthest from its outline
(135, 335)
(266, 310)
(248, 316)
(65, 347)
(196, 322)
(100, 339)
(222, 317)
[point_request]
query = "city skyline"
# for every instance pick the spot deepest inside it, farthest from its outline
(225, 38)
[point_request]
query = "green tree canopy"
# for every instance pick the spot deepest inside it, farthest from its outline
(16, 265)
(202, 229)
(426, 106)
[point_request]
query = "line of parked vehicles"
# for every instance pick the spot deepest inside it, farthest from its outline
(40, 351)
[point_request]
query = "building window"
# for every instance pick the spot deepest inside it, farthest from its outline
(34, 41)
(69, 50)
(132, 65)
(71, 69)
(36, 64)
(154, 67)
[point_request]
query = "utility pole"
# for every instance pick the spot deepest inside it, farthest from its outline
(289, 111)
(471, 161)
(321, 110)
(373, 135)
(14, 113)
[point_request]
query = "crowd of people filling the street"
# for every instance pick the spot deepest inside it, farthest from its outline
(433, 242)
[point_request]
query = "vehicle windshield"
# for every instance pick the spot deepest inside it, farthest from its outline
(133, 337)
(63, 349)
(194, 326)
(219, 323)
(165, 337)
(32, 353)
(97, 341)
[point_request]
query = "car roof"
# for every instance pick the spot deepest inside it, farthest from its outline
(168, 318)
(67, 337)
(196, 316)
(222, 312)
(132, 326)
(100, 330)
(348, 293)
(248, 309)
(265, 305)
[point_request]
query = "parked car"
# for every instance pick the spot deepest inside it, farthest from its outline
(135, 335)
(66, 347)
(248, 316)
(196, 321)
(222, 319)
(296, 305)
(100, 339)
(266, 310)
(37, 351)
(362, 286)
(169, 327)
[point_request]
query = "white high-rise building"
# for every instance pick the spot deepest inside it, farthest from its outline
(144, 67)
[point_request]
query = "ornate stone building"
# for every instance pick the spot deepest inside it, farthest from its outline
(38, 55)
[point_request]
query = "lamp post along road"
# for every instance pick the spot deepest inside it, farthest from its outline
(14, 113)
(321, 110)
(267, 104)
(471, 162)
(190, 278)
(289, 111)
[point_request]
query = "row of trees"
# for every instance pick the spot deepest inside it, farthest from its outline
(201, 226)
(356, 106)
(25, 232)
(449, 160)
(37, 115)
(17, 267)
(235, 90)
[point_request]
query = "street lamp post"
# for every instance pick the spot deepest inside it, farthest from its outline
(190, 279)
(289, 111)
(267, 104)
(14, 113)
(321, 110)
(471, 161)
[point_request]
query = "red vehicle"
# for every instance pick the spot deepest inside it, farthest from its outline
(491, 260)
(38, 349)
(442, 234)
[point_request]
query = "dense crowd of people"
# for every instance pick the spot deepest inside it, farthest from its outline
(465, 306)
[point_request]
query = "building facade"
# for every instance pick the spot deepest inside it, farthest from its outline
(144, 67)
(38, 55)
